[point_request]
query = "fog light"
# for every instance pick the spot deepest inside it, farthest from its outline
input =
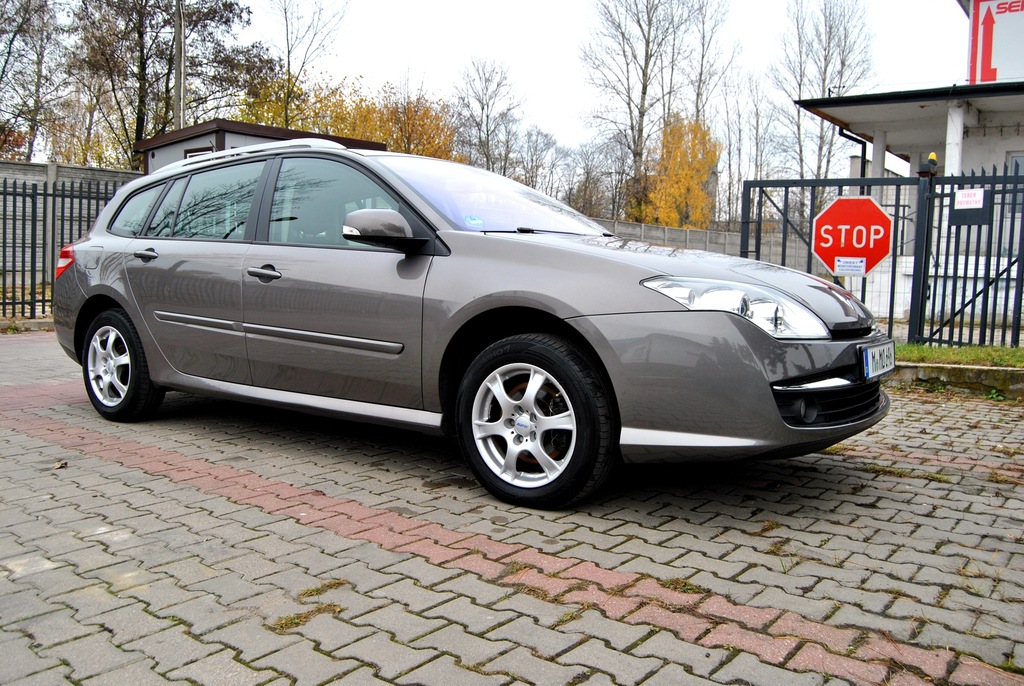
(806, 409)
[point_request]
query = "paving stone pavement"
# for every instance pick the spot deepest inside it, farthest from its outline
(222, 543)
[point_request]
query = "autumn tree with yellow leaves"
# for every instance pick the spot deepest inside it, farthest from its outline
(681, 190)
(403, 119)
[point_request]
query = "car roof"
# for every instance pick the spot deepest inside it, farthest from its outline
(312, 144)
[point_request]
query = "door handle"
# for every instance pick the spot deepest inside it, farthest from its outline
(146, 255)
(265, 274)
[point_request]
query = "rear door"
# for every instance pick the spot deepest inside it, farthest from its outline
(185, 270)
(324, 315)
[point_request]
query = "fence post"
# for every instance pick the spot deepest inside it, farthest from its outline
(745, 221)
(922, 245)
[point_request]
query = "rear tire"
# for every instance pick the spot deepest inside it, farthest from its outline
(115, 370)
(535, 422)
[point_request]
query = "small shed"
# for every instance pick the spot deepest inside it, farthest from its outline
(224, 134)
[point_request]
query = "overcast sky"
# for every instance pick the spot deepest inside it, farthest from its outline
(916, 44)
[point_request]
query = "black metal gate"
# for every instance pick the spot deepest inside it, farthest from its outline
(955, 274)
(969, 289)
(36, 219)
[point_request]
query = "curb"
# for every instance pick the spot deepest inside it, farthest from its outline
(20, 325)
(1004, 381)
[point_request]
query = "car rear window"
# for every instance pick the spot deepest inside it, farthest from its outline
(131, 218)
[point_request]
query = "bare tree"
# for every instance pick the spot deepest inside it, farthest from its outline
(708, 64)
(749, 140)
(75, 135)
(43, 82)
(309, 31)
(825, 54)
(634, 60)
(15, 25)
(126, 45)
(587, 185)
(535, 157)
(734, 146)
(488, 124)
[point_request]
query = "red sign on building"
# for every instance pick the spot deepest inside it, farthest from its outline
(997, 51)
(852, 236)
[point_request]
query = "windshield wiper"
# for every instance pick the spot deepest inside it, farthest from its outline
(527, 229)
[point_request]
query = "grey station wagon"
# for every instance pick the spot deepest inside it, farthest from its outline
(432, 295)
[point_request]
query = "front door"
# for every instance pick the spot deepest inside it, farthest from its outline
(324, 315)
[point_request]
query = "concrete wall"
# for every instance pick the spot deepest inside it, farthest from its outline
(726, 242)
(34, 172)
(982, 151)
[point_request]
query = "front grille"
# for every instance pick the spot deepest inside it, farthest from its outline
(803, 407)
(840, 334)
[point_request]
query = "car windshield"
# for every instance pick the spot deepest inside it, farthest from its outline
(478, 200)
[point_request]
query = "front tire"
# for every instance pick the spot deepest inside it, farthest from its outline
(115, 370)
(535, 422)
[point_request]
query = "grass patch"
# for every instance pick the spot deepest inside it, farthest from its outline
(882, 470)
(322, 588)
(285, 624)
(682, 586)
(1011, 668)
(997, 478)
(767, 527)
(569, 617)
(512, 568)
(982, 356)
(899, 473)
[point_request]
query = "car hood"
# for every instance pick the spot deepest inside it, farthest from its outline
(839, 309)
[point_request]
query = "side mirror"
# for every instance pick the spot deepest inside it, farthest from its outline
(382, 227)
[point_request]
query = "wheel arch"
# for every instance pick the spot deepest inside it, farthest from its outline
(89, 311)
(493, 325)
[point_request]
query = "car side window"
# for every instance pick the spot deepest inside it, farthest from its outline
(312, 197)
(162, 223)
(216, 203)
(131, 218)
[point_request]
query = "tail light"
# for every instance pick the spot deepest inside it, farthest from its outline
(65, 260)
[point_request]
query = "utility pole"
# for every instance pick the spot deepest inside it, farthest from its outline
(179, 65)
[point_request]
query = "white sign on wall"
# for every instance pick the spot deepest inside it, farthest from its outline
(997, 51)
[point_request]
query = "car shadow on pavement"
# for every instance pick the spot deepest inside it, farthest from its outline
(684, 485)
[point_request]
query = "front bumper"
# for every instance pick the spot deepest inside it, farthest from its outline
(709, 385)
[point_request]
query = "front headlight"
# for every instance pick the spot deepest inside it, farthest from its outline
(775, 313)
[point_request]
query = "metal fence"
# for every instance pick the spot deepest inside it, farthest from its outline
(969, 290)
(37, 219)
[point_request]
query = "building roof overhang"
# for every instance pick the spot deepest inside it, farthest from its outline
(915, 122)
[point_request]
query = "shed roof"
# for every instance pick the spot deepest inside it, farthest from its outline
(243, 128)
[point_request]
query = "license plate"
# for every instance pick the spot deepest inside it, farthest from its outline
(879, 359)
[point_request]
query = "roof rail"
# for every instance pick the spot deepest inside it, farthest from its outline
(296, 144)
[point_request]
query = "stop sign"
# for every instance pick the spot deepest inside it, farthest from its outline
(852, 236)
